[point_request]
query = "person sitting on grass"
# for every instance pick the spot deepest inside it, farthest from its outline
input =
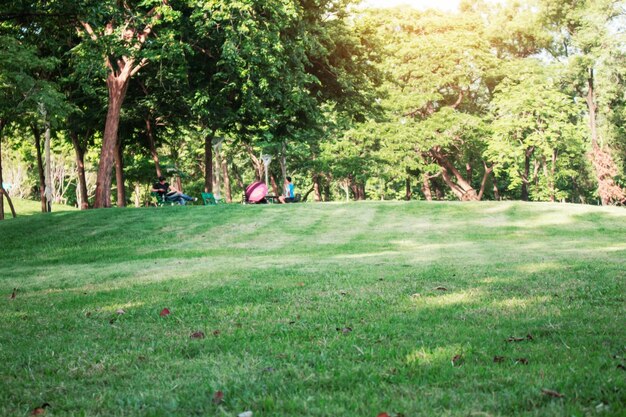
(171, 193)
(289, 196)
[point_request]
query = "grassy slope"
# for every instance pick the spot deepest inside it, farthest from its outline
(277, 282)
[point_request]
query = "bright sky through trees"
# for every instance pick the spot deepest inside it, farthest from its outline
(418, 4)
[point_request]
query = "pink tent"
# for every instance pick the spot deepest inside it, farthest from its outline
(256, 192)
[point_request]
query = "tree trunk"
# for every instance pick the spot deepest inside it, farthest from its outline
(526, 175)
(3, 192)
(42, 177)
(462, 188)
(408, 193)
(317, 195)
(602, 160)
(275, 188)
(83, 203)
(117, 91)
(238, 178)
(208, 162)
(283, 161)
(152, 144)
(488, 171)
(227, 187)
(137, 194)
(552, 181)
(496, 192)
(428, 194)
(119, 174)
(48, 188)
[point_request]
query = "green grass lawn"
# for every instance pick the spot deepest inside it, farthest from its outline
(316, 310)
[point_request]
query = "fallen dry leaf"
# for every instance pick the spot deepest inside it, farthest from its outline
(523, 361)
(515, 339)
(416, 295)
(197, 335)
(498, 359)
(300, 284)
(344, 330)
(13, 294)
(120, 311)
(457, 360)
(40, 410)
(552, 393)
(441, 289)
(218, 397)
(342, 292)
(164, 312)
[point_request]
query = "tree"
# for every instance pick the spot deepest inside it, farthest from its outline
(584, 37)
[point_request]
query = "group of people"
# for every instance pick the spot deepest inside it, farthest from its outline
(170, 193)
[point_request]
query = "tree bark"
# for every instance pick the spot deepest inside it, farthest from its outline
(283, 161)
(3, 192)
(42, 177)
(488, 171)
(428, 194)
(80, 167)
(152, 145)
(238, 178)
(526, 175)
(496, 192)
(258, 164)
(462, 188)
(408, 193)
(317, 195)
(227, 187)
(275, 188)
(137, 194)
(208, 162)
(117, 91)
(48, 188)
(119, 174)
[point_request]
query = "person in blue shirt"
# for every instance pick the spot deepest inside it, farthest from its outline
(289, 196)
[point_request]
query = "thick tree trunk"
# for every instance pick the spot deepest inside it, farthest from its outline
(119, 174)
(227, 187)
(42, 177)
(117, 91)
(461, 188)
(152, 144)
(428, 194)
(83, 202)
(208, 162)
